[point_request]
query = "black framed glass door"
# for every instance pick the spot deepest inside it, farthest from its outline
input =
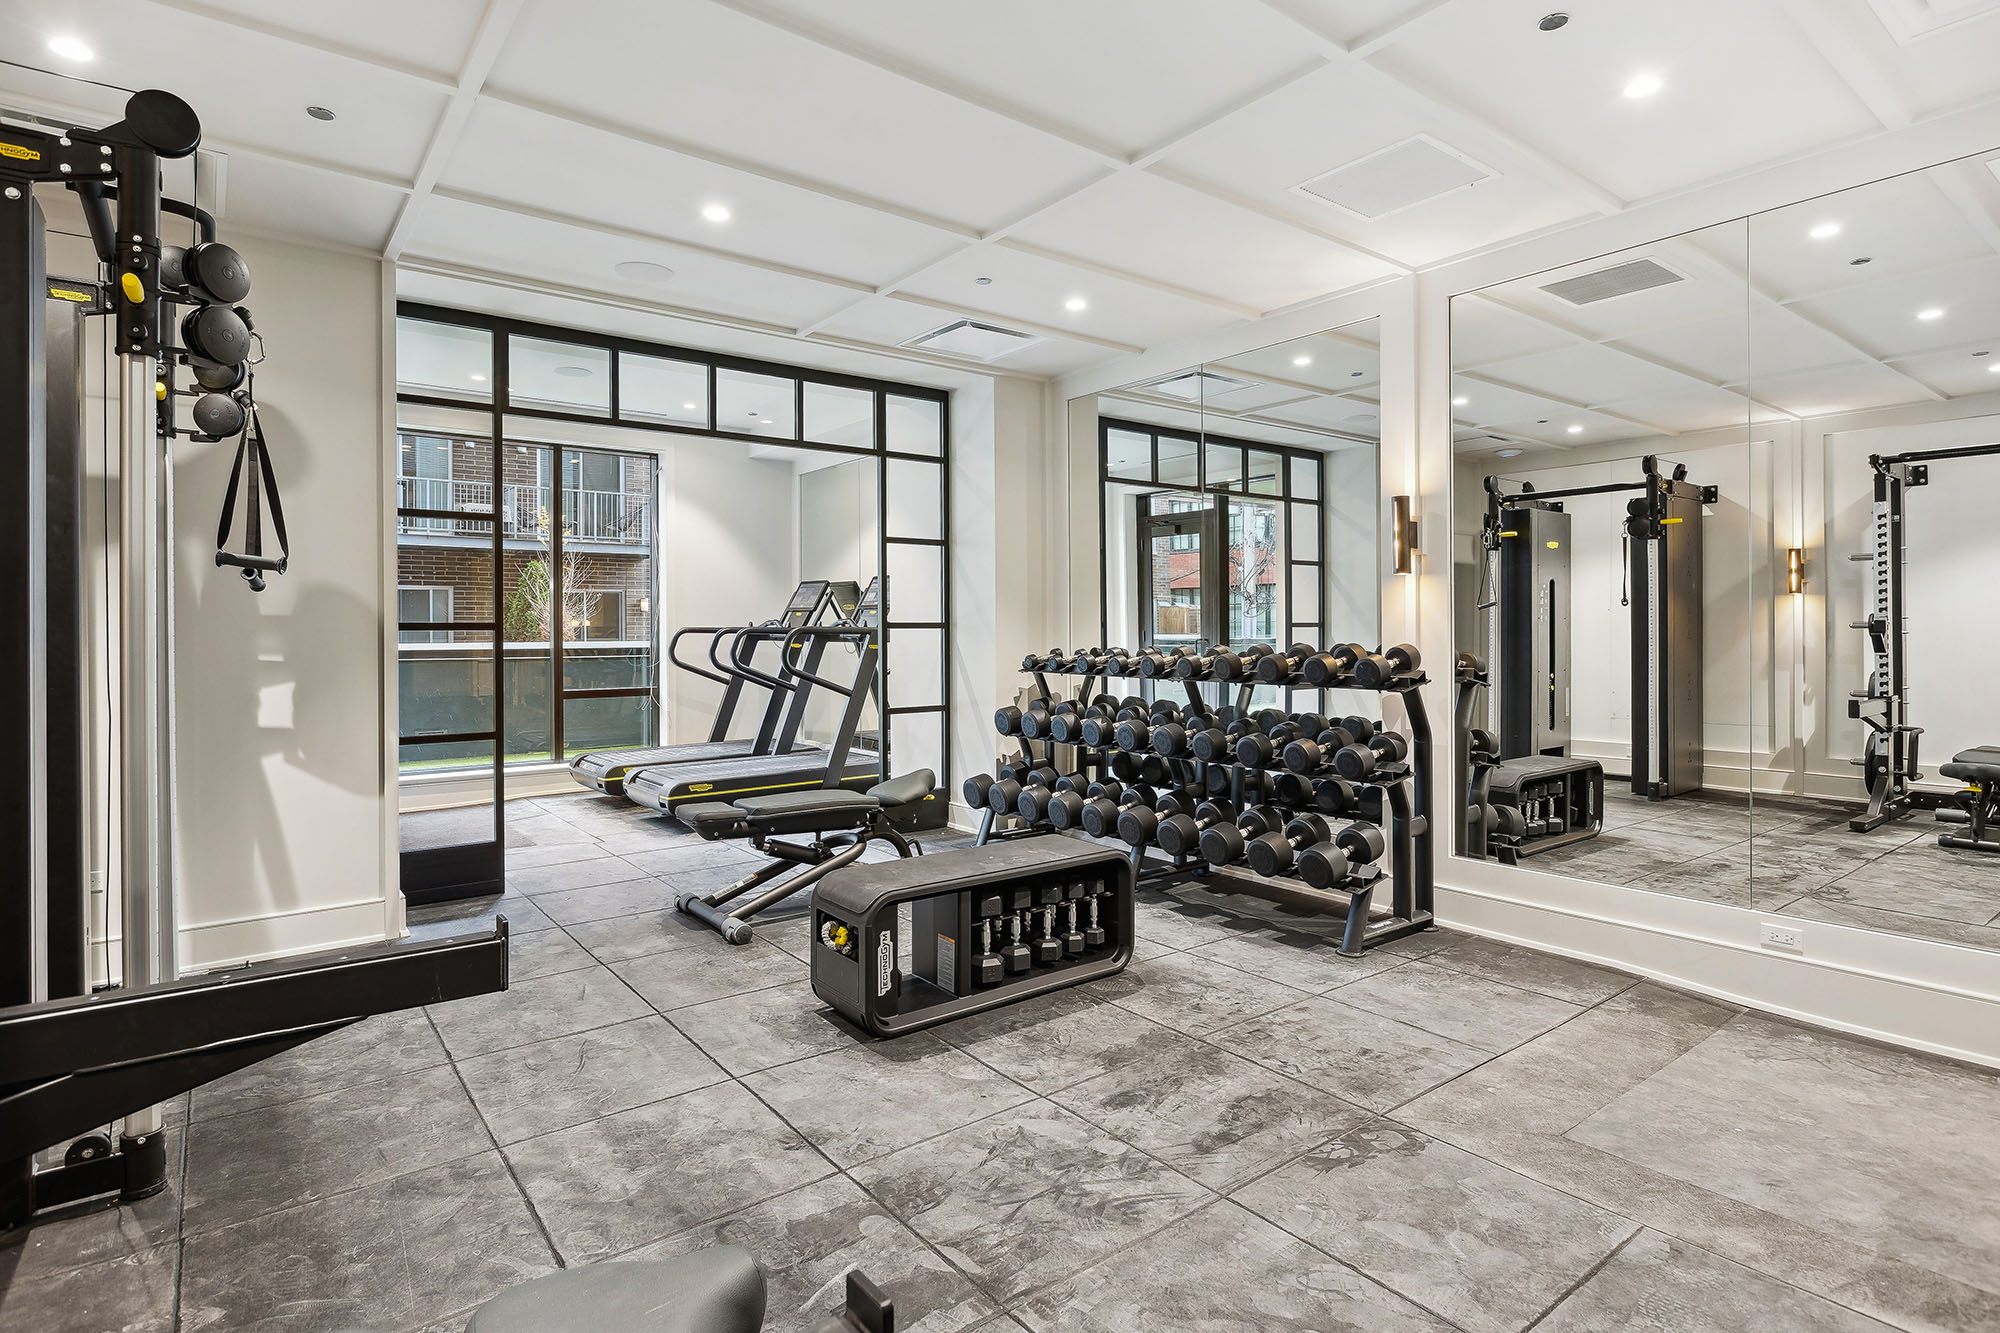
(1182, 568)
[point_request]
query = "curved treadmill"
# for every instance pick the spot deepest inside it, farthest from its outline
(666, 787)
(810, 604)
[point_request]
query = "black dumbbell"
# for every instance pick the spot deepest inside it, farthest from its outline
(1375, 670)
(1170, 739)
(1275, 668)
(1355, 762)
(1125, 765)
(1066, 726)
(1309, 754)
(1193, 666)
(1020, 770)
(1037, 723)
(1037, 804)
(1331, 665)
(1099, 817)
(1327, 862)
(976, 789)
(1223, 844)
(1274, 853)
(1361, 728)
(1180, 833)
(1156, 771)
(1155, 665)
(1099, 728)
(1260, 749)
(1229, 664)
(1216, 744)
(1335, 796)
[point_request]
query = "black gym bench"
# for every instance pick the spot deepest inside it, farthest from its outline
(842, 823)
(1978, 804)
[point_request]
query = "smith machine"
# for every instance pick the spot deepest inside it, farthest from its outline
(74, 1058)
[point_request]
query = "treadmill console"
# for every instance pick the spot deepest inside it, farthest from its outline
(805, 601)
(844, 596)
(869, 610)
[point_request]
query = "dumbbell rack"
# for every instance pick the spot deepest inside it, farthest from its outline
(1395, 794)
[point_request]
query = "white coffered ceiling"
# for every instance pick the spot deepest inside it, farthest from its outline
(1123, 171)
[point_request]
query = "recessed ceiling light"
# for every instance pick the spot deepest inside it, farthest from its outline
(1550, 22)
(715, 212)
(765, 421)
(1076, 303)
(1576, 430)
(573, 372)
(1993, 370)
(1460, 401)
(1510, 453)
(71, 48)
(1302, 360)
(1931, 312)
(1642, 86)
(689, 407)
(320, 112)
(478, 378)
(983, 282)
(1825, 231)
(642, 270)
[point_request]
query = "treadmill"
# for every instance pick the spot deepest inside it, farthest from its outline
(667, 787)
(812, 602)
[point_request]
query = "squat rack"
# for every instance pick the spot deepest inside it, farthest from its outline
(1889, 754)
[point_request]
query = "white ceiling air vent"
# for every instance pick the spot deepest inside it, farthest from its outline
(1194, 386)
(1634, 275)
(1392, 179)
(970, 340)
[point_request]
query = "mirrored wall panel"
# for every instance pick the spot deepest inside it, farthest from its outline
(1610, 475)
(1238, 501)
(1875, 346)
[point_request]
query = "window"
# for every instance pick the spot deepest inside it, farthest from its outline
(603, 614)
(423, 603)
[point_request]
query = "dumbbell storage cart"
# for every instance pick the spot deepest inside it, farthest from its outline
(1297, 805)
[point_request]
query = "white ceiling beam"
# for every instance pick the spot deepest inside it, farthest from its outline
(250, 23)
(1574, 405)
(436, 266)
(612, 229)
(762, 171)
(487, 42)
(1396, 29)
(833, 39)
(1127, 276)
(1833, 32)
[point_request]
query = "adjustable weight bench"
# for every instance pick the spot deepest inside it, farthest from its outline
(1979, 803)
(842, 824)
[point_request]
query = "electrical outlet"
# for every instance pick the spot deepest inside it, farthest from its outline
(1774, 936)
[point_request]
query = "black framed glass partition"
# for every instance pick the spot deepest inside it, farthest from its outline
(576, 495)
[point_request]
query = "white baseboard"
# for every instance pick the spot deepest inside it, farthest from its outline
(1942, 998)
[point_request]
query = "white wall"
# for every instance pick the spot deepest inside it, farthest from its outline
(1920, 993)
(281, 795)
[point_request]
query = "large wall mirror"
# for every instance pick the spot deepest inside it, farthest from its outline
(1719, 532)
(1237, 500)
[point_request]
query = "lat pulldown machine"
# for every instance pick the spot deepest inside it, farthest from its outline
(1889, 755)
(1526, 538)
(73, 1060)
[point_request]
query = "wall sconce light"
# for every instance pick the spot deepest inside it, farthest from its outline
(1795, 570)
(1405, 531)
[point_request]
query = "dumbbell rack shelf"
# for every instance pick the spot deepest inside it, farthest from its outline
(1394, 795)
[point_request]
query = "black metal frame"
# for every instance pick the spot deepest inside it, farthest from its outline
(1890, 755)
(1203, 441)
(499, 406)
(463, 871)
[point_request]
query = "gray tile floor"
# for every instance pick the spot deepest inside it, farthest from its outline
(1242, 1131)
(1794, 856)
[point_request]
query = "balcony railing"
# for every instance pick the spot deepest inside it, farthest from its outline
(619, 518)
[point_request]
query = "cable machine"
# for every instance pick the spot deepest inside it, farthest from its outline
(1889, 755)
(1526, 537)
(73, 1060)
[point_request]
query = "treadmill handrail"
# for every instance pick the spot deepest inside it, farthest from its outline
(736, 662)
(796, 640)
(674, 656)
